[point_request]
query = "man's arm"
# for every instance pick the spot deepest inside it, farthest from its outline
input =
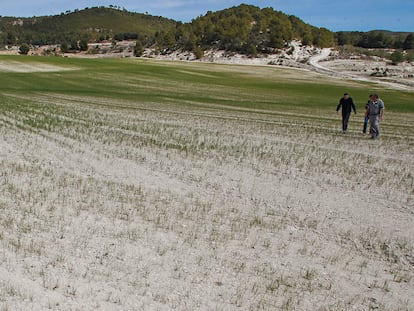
(339, 105)
(367, 111)
(353, 105)
(382, 108)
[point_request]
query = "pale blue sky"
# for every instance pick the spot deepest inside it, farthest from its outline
(360, 15)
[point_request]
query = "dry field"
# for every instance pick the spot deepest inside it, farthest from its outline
(119, 204)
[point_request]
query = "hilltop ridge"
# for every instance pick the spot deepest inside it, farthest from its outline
(91, 24)
(245, 29)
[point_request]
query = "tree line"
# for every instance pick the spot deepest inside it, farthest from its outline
(94, 24)
(376, 40)
(243, 29)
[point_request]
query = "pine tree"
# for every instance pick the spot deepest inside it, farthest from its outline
(138, 49)
(397, 57)
(24, 49)
(409, 42)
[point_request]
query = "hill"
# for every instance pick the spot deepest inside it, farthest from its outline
(93, 24)
(248, 29)
(243, 29)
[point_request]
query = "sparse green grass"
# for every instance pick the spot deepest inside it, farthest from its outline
(180, 185)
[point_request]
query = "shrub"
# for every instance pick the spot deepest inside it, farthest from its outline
(397, 57)
(24, 49)
(409, 57)
(138, 49)
(83, 45)
(198, 52)
(64, 47)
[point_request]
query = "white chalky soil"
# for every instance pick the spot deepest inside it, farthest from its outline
(140, 208)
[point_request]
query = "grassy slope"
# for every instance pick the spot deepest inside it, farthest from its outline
(104, 19)
(272, 89)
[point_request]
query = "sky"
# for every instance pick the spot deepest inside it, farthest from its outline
(336, 15)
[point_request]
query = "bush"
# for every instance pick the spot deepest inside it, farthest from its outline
(397, 57)
(138, 49)
(64, 47)
(24, 49)
(410, 56)
(83, 45)
(74, 46)
(198, 52)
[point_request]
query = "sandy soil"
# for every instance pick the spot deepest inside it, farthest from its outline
(397, 76)
(15, 66)
(127, 206)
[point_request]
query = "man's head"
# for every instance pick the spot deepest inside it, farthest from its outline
(373, 97)
(346, 95)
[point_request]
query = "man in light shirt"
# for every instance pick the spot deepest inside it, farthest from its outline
(375, 113)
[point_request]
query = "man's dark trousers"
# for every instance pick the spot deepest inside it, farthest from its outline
(345, 120)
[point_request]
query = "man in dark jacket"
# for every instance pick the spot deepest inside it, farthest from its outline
(347, 104)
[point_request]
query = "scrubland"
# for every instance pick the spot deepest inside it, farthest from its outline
(144, 185)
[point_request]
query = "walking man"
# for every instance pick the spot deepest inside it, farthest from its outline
(375, 113)
(347, 105)
(366, 119)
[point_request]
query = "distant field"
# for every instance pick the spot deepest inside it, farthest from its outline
(242, 86)
(130, 184)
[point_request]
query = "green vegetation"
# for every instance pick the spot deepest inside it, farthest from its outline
(138, 49)
(236, 180)
(24, 49)
(244, 29)
(397, 57)
(273, 90)
(376, 39)
(91, 24)
(247, 29)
